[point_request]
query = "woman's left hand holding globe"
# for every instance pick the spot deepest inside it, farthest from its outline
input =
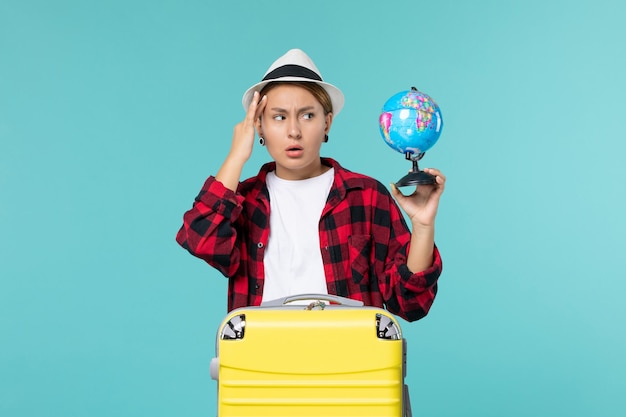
(421, 206)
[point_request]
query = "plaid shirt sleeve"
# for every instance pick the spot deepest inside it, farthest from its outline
(207, 231)
(230, 232)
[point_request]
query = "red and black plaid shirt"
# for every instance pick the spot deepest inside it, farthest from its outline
(363, 239)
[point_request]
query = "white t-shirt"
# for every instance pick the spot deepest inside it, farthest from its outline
(293, 261)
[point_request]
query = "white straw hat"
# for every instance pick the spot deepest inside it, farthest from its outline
(295, 65)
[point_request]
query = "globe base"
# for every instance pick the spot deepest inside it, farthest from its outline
(416, 178)
(415, 175)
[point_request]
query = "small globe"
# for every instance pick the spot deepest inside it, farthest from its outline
(410, 122)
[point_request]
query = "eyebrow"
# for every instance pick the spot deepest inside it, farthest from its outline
(300, 110)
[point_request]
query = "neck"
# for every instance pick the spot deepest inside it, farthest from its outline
(302, 174)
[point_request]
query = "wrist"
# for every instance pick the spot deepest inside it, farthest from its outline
(419, 227)
(235, 159)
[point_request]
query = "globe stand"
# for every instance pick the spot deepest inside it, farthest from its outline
(415, 176)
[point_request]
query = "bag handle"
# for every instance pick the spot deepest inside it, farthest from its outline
(348, 302)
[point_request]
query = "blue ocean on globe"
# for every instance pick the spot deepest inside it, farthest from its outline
(410, 122)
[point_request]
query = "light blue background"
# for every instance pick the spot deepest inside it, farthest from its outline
(112, 113)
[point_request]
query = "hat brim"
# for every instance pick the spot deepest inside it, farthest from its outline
(335, 94)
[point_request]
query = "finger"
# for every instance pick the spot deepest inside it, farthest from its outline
(436, 173)
(395, 191)
(433, 171)
(260, 107)
(252, 108)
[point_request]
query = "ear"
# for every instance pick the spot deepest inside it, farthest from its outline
(257, 125)
(329, 122)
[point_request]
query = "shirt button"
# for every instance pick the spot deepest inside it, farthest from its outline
(256, 286)
(259, 245)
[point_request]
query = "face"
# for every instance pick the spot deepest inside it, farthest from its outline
(293, 124)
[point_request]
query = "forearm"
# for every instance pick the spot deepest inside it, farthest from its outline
(420, 256)
(230, 172)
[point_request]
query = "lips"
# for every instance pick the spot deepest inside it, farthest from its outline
(294, 151)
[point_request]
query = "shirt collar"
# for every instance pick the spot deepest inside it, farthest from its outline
(344, 180)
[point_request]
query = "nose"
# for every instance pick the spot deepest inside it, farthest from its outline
(294, 128)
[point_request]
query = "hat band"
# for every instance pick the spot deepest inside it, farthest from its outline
(292, 70)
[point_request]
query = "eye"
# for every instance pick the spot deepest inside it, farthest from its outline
(308, 116)
(279, 117)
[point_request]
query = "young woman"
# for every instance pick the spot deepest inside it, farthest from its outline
(304, 224)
